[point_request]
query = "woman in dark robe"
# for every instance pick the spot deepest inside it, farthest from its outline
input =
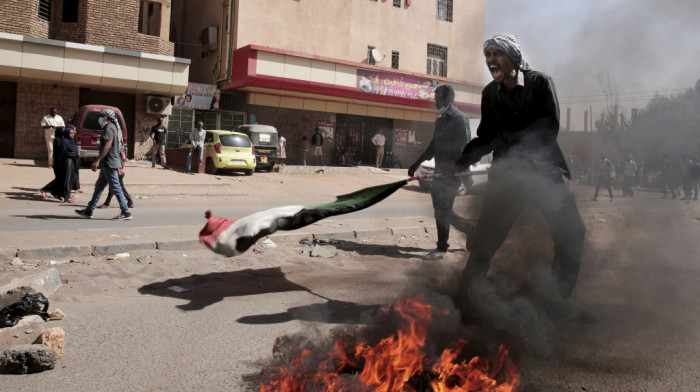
(54, 187)
(70, 164)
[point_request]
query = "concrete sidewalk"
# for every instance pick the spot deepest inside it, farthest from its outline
(24, 177)
(96, 242)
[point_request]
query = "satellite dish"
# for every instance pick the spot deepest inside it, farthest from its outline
(377, 55)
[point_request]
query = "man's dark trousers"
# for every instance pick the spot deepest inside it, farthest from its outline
(506, 195)
(443, 192)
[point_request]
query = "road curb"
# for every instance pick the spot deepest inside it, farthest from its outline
(119, 247)
(54, 252)
(63, 252)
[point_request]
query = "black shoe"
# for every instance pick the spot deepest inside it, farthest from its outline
(84, 213)
(123, 216)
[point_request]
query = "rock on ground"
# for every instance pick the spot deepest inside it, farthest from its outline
(54, 338)
(27, 358)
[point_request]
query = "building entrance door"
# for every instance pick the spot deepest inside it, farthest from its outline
(354, 134)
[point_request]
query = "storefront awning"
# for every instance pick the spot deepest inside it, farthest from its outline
(276, 77)
(31, 59)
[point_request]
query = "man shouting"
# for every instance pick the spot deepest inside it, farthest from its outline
(519, 124)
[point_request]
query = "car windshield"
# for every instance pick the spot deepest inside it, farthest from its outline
(234, 141)
(90, 122)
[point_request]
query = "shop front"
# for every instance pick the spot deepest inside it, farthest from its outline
(350, 102)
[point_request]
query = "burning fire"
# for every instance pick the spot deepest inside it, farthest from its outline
(398, 363)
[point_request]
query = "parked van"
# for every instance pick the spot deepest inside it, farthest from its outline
(88, 130)
(266, 143)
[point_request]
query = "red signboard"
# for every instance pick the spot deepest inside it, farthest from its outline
(395, 85)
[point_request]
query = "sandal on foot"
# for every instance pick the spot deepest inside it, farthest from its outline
(103, 206)
(434, 255)
(43, 194)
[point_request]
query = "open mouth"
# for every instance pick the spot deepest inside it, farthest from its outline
(496, 71)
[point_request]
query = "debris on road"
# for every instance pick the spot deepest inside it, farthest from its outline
(119, 256)
(323, 251)
(56, 314)
(268, 243)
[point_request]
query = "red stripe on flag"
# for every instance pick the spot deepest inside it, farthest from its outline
(214, 227)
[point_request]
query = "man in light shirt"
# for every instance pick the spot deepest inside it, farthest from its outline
(196, 142)
(379, 140)
(49, 124)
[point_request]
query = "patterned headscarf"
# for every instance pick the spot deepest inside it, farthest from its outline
(510, 45)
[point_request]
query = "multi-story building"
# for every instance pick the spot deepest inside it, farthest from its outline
(350, 66)
(69, 53)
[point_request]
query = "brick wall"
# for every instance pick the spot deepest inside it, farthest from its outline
(33, 103)
(22, 17)
(115, 24)
(73, 31)
(142, 128)
(112, 23)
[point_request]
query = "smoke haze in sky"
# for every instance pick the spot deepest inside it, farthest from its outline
(641, 46)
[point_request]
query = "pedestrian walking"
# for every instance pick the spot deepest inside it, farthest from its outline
(606, 173)
(451, 135)
(108, 163)
(630, 170)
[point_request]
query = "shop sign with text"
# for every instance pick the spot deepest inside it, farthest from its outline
(396, 85)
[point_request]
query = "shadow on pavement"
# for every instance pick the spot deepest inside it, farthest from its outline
(331, 312)
(367, 249)
(208, 289)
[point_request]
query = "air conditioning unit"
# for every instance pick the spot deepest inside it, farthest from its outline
(210, 38)
(159, 105)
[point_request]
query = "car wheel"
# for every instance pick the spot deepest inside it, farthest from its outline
(248, 172)
(210, 168)
(424, 185)
(463, 189)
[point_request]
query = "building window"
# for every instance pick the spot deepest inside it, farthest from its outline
(394, 59)
(444, 10)
(70, 11)
(44, 9)
(149, 18)
(437, 60)
(370, 58)
(397, 3)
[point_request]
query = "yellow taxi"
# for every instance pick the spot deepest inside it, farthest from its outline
(228, 150)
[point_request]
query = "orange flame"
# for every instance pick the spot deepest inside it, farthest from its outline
(395, 362)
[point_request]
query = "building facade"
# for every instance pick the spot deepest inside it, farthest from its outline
(350, 67)
(69, 53)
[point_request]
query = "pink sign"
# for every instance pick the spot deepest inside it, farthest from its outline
(394, 84)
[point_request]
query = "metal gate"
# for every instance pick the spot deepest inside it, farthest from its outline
(354, 134)
(8, 99)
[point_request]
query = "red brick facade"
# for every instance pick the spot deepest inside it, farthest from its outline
(100, 22)
(33, 103)
(22, 17)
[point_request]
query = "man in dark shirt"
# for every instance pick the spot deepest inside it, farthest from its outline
(520, 123)
(159, 135)
(317, 146)
(451, 134)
